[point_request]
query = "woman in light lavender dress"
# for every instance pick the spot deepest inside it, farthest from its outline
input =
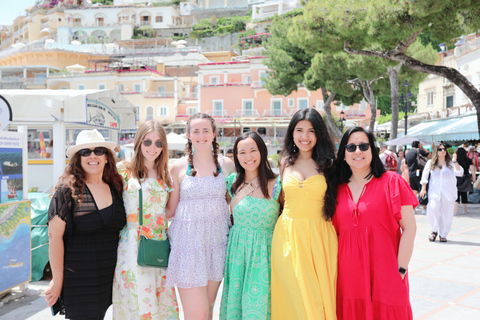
(201, 219)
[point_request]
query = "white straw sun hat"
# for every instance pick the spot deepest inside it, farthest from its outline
(87, 139)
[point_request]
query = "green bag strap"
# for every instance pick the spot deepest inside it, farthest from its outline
(140, 205)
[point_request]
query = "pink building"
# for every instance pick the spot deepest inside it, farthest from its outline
(233, 93)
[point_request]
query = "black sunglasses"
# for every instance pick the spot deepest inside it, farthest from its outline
(148, 143)
(353, 147)
(442, 149)
(100, 151)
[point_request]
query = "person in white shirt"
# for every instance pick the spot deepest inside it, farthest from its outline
(384, 154)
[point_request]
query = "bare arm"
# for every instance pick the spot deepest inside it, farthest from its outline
(228, 167)
(56, 229)
(409, 229)
(473, 170)
(174, 196)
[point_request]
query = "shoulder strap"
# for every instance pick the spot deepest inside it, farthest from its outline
(140, 203)
(245, 191)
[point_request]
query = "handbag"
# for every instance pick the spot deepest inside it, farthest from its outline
(464, 183)
(151, 253)
(424, 201)
(421, 161)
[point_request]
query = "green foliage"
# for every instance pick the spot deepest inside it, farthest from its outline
(384, 104)
(388, 117)
(214, 27)
(104, 2)
(143, 32)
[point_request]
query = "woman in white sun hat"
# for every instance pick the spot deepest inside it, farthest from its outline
(85, 217)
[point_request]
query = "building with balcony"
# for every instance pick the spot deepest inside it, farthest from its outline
(440, 98)
(119, 22)
(269, 9)
(233, 92)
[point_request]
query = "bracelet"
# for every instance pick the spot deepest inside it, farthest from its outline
(455, 161)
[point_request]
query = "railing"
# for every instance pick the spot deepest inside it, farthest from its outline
(191, 96)
(355, 113)
(99, 24)
(162, 95)
(234, 84)
(76, 24)
(12, 80)
(145, 23)
(45, 25)
(18, 32)
(35, 81)
(275, 113)
(218, 113)
(247, 113)
(212, 84)
(257, 84)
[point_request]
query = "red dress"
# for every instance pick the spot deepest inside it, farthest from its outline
(369, 285)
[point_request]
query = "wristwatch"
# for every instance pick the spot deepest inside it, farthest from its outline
(402, 270)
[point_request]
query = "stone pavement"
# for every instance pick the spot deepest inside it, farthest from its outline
(444, 277)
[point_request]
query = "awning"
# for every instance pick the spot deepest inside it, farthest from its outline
(451, 129)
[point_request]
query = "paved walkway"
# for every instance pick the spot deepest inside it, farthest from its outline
(444, 277)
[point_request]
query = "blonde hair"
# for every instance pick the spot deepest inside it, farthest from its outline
(189, 148)
(137, 165)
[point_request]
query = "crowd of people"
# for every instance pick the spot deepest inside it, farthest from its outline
(330, 237)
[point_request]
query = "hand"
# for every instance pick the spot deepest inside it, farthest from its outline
(52, 293)
(403, 276)
(423, 193)
(454, 157)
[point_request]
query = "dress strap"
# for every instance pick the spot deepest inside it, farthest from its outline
(277, 188)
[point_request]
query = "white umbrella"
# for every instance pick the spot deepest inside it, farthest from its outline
(406, 140)
(180, 46)
(176, 142)
(49, 41)
(76, 43)
(111, 45)
(182, 42)
(18, 45)
(75, 67)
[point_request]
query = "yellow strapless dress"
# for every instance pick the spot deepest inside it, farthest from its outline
(304, 254)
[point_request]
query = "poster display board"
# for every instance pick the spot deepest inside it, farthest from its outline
(15, 258)
(11, 167)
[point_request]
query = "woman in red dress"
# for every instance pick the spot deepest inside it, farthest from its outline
(375, 223)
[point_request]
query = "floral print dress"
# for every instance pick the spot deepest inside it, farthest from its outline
(141, 292)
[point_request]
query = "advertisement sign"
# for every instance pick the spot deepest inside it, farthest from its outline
(15, 258)
(11, 167)
(101, 116)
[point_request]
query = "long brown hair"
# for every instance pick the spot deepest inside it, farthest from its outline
(189, 148)
(448, 158)
(74, 176)
(137, 165)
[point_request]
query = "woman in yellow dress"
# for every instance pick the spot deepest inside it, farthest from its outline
(305, 245)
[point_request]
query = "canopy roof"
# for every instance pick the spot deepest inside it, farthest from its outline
(450, 129)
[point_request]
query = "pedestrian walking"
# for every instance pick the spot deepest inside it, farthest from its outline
(304, 245)
(464, 183)
(439, 174)
(416, 158)
(375, 223)
(388, 158)
(255, 192)
(201, 219)
(85, 217)
(141, 292)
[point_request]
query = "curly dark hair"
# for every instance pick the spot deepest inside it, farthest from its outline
(265, 172)
(74, 176)
(189, 148)
(343, 171)
(323, 153)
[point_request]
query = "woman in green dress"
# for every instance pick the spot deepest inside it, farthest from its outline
(255, 207)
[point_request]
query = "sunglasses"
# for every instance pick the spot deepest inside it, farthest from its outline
(100, 151)
(148, 143)
(442, 149)
(353, 147)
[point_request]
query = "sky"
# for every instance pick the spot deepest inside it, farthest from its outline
(13, 8)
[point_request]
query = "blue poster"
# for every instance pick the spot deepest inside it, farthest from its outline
(15, 258)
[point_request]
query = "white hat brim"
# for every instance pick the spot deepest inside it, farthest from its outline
(106, 144)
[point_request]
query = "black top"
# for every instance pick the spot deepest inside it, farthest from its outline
(411, 160)
(91, 240)
(465, 163)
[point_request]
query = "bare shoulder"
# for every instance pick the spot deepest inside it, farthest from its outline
(228, 166)
(178, 166)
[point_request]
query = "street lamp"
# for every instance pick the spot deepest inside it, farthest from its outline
(342, 119)
(405, 96)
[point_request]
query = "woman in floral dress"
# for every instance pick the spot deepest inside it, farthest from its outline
(141, 292)
(199, 231)
(255, 206)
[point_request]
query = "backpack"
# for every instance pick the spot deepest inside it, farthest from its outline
(390, 162)
(421, 161)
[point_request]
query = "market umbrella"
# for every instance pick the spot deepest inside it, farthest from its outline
(76, 67)
(176, 142)
(406, 140)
